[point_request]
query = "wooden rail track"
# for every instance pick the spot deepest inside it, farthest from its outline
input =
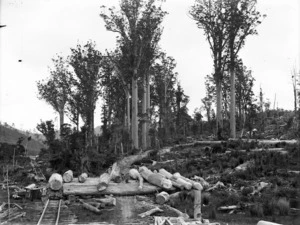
(51, 213)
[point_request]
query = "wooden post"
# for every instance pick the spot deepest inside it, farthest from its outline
(197, 204)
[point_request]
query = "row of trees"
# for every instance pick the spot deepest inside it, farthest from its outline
(226, 24)
(137, 67)
(138, 83)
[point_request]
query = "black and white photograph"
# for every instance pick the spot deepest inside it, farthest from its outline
(150, 112)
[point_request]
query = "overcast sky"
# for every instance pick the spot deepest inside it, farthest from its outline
(38, 29)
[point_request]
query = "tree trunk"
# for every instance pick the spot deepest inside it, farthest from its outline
(61, 118)
(144, 112)
(128, 108)
(148, 111)
(134, 120)
(219, 109)
(232, 101)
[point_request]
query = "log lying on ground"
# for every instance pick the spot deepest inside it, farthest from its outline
(110, 201)
(244, 166)
(89, 187)
(150, 212)
(162, 197)
(121, 167)
(172, 179)
(195, 184)
(82, 177)
(103, 181)
(136, 175)
(203, 182)
(55, 182)
(90, 207)
(155, 178)
(179, 213)
(68, 176)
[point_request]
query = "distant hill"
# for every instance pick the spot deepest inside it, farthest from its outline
(11, 135)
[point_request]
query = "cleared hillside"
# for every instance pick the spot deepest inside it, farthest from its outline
(11, 135)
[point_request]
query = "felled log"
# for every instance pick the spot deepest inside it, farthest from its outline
(171, 178)
(136, 175)
(2, 206)
(182, 183)
(8, 212)
(115, 173)
(178, 212)
(82, 177)
(30, 186)
(103, 181)
(150, 212)
(155, 178)
(244, 166)
(195, 185)
(13, 217)
(106, 201)
(55, 182)
(162, 197)
(68, 176)
(219, 184)
(203, 182)
(121, 167)
(262, 222)
(90, 207)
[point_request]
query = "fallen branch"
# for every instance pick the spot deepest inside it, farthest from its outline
(14, 217)
(89, 207)
(107, 201)
(150, 212)
(179, 213)
(219, 184)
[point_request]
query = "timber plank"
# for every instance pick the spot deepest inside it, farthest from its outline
(89, 187)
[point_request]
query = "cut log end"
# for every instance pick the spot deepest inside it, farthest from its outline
(68, 176)
(82, 178)
(55, 182)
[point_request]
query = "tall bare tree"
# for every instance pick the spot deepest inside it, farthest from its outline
(55, 89)
(138, 25)
(210, 17)
(242, 22)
